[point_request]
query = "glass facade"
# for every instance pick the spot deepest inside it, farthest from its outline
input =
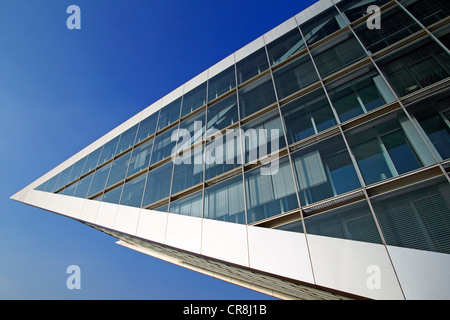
(340, 109)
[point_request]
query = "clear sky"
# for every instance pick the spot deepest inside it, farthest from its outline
(62, 89)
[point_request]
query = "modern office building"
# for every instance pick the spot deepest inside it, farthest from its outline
(313, 163)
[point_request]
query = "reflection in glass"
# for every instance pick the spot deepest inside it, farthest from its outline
(270, 190)
(83, 186)
(132, 192)
(322, 25)
(221, 83)
(225, 201)
(113, 196)
(285, 46)
(118, 169)
(256, 96)
(140, 158)
(193, 99)
(188, 206)
(294, 76)
(158, 184)
(187, 170)
(108, 151)
(252, 65)
(222, 154)
(307, 115)
(354, 10)
(169, 114)
(147, 127)
(99, 180)
(324, 170)
(126, 139)
(222, 114)
(77, 170)
(164, 145)
(92, 159)
(428, 11)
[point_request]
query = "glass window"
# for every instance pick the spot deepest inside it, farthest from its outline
(417, 216)
(109, 150)
(396, 25)
(416, 67)
(256, 96)
(354, 10)
(169, 114)
(188, 206)
(285, 46)
(192, 130)
(324, 170)
(132, 192)
(99, 180)
(118, 169)
(113, 196)
(433, 115)
(322, 25)
(194, 99)
(147, 127)
(252, 65)
(126, 140)
(70, 190)
(77, 170)
(187, 171)
(222, 154)
(294, 76)
(83, 186)
(353, 222)
(92, 159)
(307, 115)
(158, 184)
(62, 180)
(164, 145)
(337, 54)
(140, 158)
(225, 201)
(387, 147)
(270, 190)
(263, 136)
(428, 11)
(221, 83)
(352, 97)
(295, 226)
(222, 114)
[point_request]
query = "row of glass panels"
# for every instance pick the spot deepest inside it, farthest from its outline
(302, 118)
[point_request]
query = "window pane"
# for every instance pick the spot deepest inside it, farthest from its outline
(192, 130)
(132, 192)
(108, 151)
(400, 151)
(169, 114)
(324, 170)
(396, 25)
(252, 65)
(158, 184)
(322, 25)
(70, 190)
(225, 201)
(294, 76)
(339, 53)
(126, 139)
(285, 46)
(223, 113)
(222, 154)
(164, 145)
(256, 96)
(194, 99)
(83, 186)
(416, 67)
(352, 97)
(99, 180)
(113, 196)
(140, 158)
(77, 170)
(62, 180)
(428, 11)
(92, 159)
(188, 206)
(353, 222)
(354, 10)
(416, 217)
(307, 116)
(188, 170)
(263, 136)
(221, 83)
(270, 190)
(147, 127)
(118, 169)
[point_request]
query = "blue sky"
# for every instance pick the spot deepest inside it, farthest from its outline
(62, 89)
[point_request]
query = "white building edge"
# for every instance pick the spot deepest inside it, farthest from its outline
(283, 264)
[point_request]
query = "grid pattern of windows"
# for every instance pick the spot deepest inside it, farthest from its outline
(329, 97)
